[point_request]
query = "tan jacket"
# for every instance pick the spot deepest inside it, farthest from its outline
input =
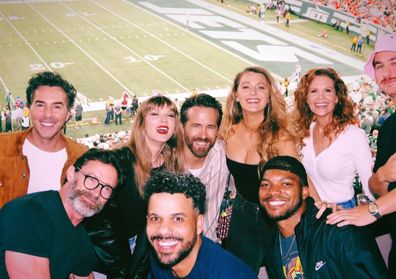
(14, 168)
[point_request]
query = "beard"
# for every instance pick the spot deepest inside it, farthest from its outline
(80, 205)
(199, 152)
(168, 260)
(289, 212)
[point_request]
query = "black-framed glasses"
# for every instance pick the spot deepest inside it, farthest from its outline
(91, 183)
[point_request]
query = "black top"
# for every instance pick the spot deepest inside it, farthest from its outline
(246, 179)
(386, 146)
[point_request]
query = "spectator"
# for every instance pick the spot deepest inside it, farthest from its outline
(78, 110)
(41, 235)
(176, 205)
(301, 246)
(37, 159)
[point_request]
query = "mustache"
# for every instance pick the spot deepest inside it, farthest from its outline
(200, 139)
(167, 237)
(388, 78)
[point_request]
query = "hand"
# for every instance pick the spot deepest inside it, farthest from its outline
(358, 216)
(322, 206)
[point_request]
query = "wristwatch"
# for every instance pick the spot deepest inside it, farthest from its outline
(374, 210)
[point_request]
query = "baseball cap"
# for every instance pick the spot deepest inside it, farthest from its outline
(286, 163)
(386, 42)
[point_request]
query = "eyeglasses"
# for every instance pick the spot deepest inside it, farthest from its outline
(91, 183)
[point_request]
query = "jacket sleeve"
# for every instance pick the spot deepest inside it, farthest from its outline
(140, 267)
(112, 250)
(360, 254)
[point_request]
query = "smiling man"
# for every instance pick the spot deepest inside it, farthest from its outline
(176, 205)
(204, 154)
(41, 235)
(37, 159)
(301, 246)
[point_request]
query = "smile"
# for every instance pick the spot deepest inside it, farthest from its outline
(163, 130)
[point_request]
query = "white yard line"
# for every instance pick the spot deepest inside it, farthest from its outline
(82, 50)
(162, 41)
(26, 41)
(126, 47)
(4, 85)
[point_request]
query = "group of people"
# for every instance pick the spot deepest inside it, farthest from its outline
(115, 110)
(149, 208)
(14, 109)
(375, 11)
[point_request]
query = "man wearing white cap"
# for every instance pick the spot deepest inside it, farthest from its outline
(381, 67)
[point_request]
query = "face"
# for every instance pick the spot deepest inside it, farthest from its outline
(385, 72)
(280, 194)
(173, 225)
(89, 202)
(49, 112)
(253, 92)
(200, 130)
(159, 125)
(321, 97)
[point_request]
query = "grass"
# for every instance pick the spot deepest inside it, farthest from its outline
(107, 46)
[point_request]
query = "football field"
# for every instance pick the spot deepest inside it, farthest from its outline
(105, 47)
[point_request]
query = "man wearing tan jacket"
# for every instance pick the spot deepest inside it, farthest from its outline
(37, 158)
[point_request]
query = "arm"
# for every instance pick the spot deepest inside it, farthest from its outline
(22, 266)
(386, 174)
(288, 148)
(359, 216)
(362, 160)
(359, 255)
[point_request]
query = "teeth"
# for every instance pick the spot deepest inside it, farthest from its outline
(202, 143)
(167, 243)
(252, 101)
(162, 129)
(276, 203)
(47, 124)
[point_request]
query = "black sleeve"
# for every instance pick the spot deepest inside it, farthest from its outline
(361, 255)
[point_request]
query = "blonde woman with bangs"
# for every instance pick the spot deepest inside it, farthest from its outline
(156, 143)
(255, 129)
(334, 149)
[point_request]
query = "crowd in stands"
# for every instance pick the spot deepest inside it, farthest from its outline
(380, 12)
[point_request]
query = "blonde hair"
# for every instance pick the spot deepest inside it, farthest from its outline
(343, 113)
(274, 129)
(173, 148)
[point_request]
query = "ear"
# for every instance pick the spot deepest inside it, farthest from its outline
(200, 224)
(305, 192)
(70, 173)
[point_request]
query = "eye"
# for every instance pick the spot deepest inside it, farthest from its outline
(154, 219)
(264, 185)
(178, 219)
(378, 66)
(171, 115)
(287, 184)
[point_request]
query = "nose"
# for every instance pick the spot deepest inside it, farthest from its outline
(163, 118)
(48, 111)
(165, 227)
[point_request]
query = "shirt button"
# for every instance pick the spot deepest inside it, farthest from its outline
(23, 175)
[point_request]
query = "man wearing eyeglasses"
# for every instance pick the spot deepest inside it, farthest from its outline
(41, 235)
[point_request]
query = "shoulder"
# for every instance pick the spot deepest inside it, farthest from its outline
(10, 141)
(220, 263)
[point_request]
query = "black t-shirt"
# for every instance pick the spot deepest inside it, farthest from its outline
(37, 224)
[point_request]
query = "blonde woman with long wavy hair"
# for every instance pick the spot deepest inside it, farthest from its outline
(156, 143)
(255, 129)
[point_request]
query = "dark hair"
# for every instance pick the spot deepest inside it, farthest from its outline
(50, 79)
(105, 156)
(201, 100)
(286, 163)
(172, 183)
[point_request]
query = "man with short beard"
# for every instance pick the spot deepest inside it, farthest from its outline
(41, 235)
(176, 205)
(204, 154)
(301, 246)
